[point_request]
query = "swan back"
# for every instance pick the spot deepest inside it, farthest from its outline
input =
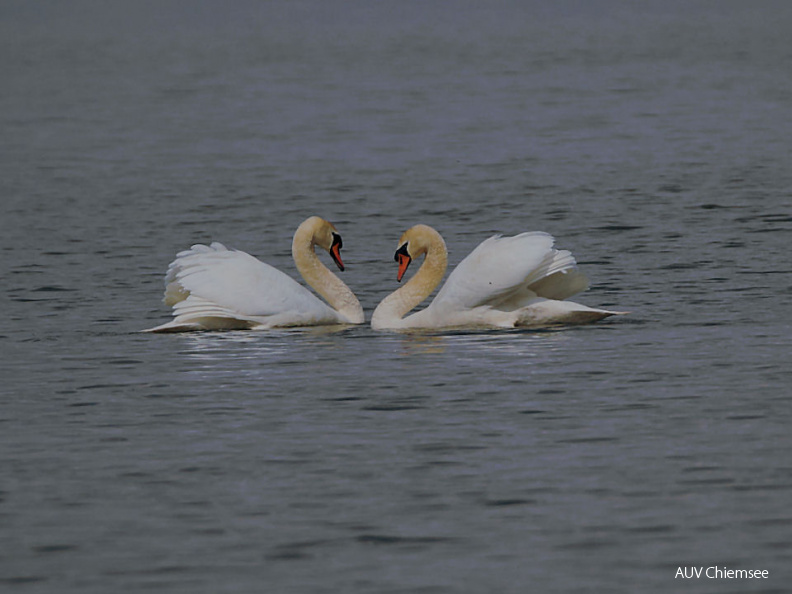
(234, 282)
(500, 269)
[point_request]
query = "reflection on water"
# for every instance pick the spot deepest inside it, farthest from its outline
(359, 343)
(421, 344)
(258, 344)
(519, 342)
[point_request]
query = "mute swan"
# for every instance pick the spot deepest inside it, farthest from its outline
(213, 288)
(506, 282)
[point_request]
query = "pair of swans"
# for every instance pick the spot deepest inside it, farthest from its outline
(506, 282)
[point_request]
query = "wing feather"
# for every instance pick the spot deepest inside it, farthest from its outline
(231, 283)
(506, 272)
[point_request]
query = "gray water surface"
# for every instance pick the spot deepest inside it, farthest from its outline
(653, 143)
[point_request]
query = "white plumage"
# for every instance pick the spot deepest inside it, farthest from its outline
(213, 287)
(506, 282)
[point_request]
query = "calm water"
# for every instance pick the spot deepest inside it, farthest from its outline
(653, 144)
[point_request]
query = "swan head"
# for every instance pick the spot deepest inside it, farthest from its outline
(413, 243)
(326, 236)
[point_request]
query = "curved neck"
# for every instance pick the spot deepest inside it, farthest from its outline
(391, 310)
(321, 279)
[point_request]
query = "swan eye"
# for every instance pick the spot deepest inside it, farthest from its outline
(402, 251)
(337, 241)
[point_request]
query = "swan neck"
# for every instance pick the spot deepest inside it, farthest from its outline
(394, 307)
(321, 279)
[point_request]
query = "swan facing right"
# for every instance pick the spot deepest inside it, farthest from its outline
(215, 288)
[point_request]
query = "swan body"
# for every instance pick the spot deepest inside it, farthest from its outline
(215, 288)
(506, 282)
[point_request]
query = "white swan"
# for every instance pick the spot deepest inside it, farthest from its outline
(506, 282)
(214, 288)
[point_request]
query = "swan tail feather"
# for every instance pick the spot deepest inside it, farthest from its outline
(194, 313)
(557, 277)
(186, 264)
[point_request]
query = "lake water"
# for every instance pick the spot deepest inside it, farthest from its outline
(654, 143)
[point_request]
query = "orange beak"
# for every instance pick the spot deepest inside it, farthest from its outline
(335, 253)
(404, 261)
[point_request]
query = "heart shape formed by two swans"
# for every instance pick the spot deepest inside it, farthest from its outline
(506, 282)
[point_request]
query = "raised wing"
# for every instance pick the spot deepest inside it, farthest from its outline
(235, 283)
(504, 272)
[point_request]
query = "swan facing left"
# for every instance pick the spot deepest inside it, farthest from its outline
(506, 282)
(215, 288)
